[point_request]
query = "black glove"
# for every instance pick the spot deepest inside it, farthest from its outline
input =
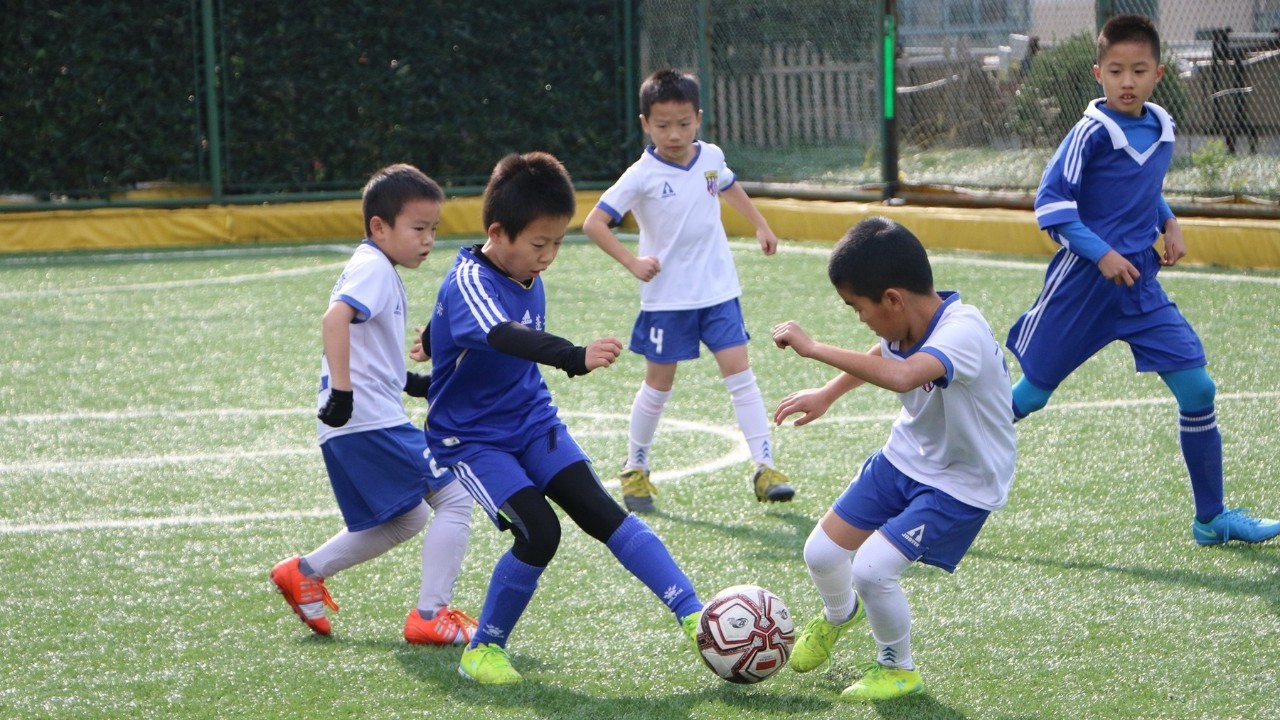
(337, 409)
(417, 384)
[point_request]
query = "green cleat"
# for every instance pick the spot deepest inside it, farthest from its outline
(487, 664)
(637, 491)
(771, 485)
(690, 628)
(883, 683)
(813, 647)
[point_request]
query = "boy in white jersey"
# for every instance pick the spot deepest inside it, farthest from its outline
(947, 464)
(690, 289)
(1100, 198)
(382, 475)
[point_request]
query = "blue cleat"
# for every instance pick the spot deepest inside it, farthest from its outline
(1235, 524)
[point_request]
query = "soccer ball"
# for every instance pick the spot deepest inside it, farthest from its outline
(745, 634)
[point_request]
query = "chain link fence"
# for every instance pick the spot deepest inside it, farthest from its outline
(985, 88)
(99, 102)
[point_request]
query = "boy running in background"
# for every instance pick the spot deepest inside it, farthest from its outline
(492, 422)
(1100, 198)
(382, 476)
(947, 465)
(689, 291)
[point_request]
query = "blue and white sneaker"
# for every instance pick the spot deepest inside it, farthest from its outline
(1235, 524)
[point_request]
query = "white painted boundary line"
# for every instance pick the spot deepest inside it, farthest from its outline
(737, 454)
(1206, 274)
(169, 284)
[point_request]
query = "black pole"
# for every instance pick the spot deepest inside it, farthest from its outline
(888, 94)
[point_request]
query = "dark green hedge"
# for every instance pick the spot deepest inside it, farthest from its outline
(96, 96)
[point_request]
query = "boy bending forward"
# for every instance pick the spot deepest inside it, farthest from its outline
(948, 462)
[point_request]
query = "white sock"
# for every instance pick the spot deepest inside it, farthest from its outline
(748, 405)
(831, 572)
(444, 546)
(347, 549)
(646, 411)
(877, 570)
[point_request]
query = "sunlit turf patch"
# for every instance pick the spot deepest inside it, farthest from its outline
(157, 452)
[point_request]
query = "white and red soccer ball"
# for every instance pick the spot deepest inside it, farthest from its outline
(745, 634)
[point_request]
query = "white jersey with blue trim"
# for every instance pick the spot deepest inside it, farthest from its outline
(678, 210)
(1098, 178)
(477, 393)
(370, 284)
(956, 433)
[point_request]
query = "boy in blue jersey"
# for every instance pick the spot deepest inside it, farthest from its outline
(1100, 198)
(385, 482)
(947, 465)
(492, 422)
(689, 286)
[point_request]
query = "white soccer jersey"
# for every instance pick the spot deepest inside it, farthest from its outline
(678, 210)
(956, 433)
(370, 284)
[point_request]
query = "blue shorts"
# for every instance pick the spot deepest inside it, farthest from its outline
(923, 522)
(379, 474)
(1079, 312)
(492, 474)
(668, 336)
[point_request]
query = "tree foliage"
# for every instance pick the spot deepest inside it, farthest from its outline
(96, 96)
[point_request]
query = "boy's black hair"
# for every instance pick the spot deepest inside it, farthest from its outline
(390, 188)
(668, 85)
(523, 188)
(878, 254)
(1128, 28)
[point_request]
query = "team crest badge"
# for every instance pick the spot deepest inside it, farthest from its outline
(713, 182)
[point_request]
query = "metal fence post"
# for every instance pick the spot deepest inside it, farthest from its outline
(214, 129)
(888, 91)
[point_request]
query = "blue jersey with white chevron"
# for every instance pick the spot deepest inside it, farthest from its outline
(477, 393)
(1099, 179)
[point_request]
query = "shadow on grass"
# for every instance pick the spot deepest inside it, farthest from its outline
(783, 542)
(1266, 588)
(545, 694)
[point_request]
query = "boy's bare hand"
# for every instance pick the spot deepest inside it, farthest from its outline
(1174, 247)
(601, 353)
(416, 352)
(768, 241)
(1117, 269)
(790, 335)
(645, 267)
(812, 403)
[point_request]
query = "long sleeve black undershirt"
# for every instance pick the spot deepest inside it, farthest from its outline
(537, 346)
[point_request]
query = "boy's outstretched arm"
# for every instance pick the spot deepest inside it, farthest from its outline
(814, 402)
(898, 376)
(738, 200)
(514, 339)
(596, 227)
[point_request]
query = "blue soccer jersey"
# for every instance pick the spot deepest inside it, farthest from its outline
(477, 393)
(1098, 178)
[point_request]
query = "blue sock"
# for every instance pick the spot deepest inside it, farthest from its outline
(1028, 398)
(1201, 443)
(642, 553)
(510, 588)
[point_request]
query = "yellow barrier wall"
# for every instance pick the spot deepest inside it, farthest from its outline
(1234, 243)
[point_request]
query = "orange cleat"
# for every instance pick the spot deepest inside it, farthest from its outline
(306, 595)
(448, 627)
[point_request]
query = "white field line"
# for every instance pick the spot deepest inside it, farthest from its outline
(737, 454)
(973, 261)
(169, 284)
